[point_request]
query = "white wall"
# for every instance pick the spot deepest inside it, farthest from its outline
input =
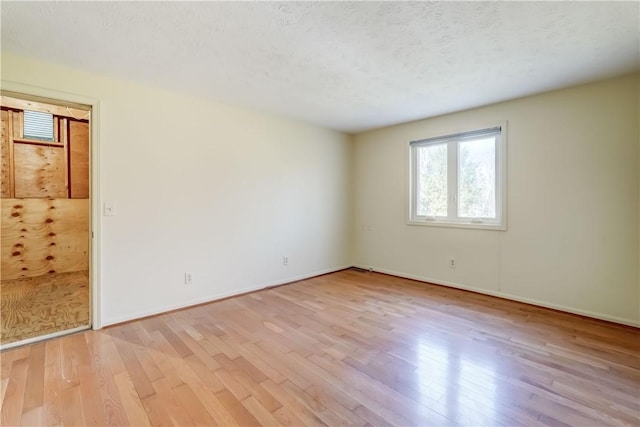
(573, 192)
(225, 192)
(218, 191)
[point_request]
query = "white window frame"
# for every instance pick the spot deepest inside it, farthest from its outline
(452, 219)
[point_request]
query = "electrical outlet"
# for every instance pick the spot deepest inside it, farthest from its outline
(188, 278)
(452, 263)
(285, 260)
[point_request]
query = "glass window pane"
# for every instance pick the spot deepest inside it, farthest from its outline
(477, 178)
(432, 180)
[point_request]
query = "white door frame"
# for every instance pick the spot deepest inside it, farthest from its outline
(96, 223)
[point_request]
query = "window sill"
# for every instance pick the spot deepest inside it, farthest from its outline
(450, 224)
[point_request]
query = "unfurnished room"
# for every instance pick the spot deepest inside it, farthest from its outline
(320, 213)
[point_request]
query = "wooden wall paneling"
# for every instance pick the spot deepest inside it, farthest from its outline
(79, 159)
(14, 129)
(18, 120)
(23, 104)
(39, 171)
(6, 157)
(64, 139)
(44, 236)
(56, 128)
(38, 142)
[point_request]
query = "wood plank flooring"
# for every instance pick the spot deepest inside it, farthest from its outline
(349, 348)
(35, 306)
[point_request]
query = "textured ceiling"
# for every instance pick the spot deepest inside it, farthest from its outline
(348, 66)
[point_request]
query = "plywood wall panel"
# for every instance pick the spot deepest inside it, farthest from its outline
(17, 117)
(44, 236)
(57, 110)
(79, 159)
(40, 171)
(5, 158)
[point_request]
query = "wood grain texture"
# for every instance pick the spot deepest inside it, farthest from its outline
(79, 159)
(6, 163)
(40, 171)
(38, 142)
(36, 306)
(42, 236)
(64, 138)
(58, 110)
(349, 348)
(17, 121)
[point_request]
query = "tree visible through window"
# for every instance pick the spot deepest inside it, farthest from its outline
(432, 180)
(477, 178)
(458, 179)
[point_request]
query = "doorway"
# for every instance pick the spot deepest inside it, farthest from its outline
(45, 286)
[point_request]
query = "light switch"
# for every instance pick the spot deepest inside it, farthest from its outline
(109, 208)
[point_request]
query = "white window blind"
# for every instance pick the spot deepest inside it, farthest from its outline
(38, 125)
(476, 134)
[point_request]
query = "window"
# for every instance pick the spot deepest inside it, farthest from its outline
(38, 125)
(459, 180)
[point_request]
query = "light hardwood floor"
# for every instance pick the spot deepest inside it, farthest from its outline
(349, 348)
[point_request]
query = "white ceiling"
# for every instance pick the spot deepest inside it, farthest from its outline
(348, 66)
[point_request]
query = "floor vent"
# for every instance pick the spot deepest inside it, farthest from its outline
(360, 270)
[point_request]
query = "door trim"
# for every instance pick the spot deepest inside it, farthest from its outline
(95, 217)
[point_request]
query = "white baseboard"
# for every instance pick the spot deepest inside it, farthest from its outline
(573, 310)
(215, 297)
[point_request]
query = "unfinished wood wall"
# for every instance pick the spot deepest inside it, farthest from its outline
(6, 174)
(45, 193)
(44, 236)
(39, 171)
(78, 159)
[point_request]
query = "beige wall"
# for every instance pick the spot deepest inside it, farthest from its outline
(225, 192)
(573, 190)
(218, 191)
